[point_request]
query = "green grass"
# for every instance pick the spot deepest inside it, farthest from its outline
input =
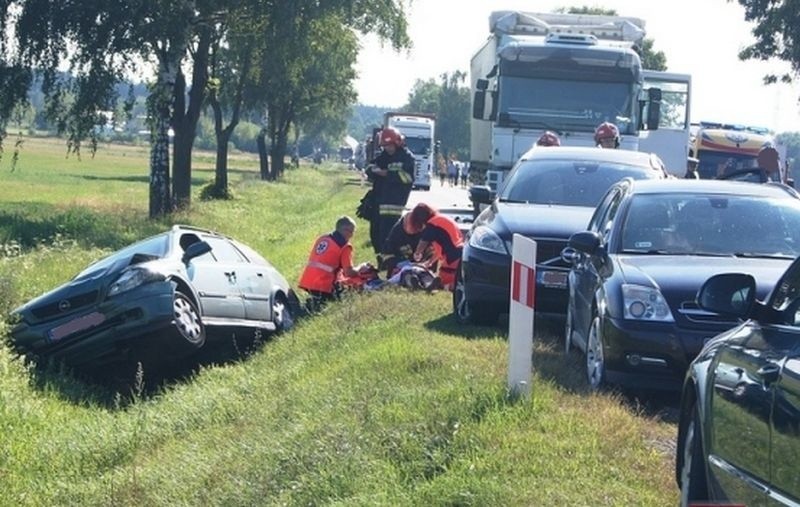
(380, 400)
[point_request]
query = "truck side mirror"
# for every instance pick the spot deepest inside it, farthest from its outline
(654, 108)
(479, 104)
(482, 84)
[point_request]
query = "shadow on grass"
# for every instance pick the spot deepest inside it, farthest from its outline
(131, 179)
(119, 384)
(448, 324)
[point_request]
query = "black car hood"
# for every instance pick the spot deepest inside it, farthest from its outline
(84, 289)
(681, 276)
(537, 220)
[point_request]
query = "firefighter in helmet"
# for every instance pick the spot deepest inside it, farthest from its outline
(549, 138)
(606, 135)
(392, 174)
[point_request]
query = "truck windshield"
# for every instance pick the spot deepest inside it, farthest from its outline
(419, 145)
(567, 104)
(720, 163)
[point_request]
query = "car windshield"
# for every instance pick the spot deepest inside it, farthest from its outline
(712, 224)
(156, 246)
(567, 182)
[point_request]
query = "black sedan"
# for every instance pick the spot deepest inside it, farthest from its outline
(649, 247)
(549, 194)
(157, 296)
(739, 429)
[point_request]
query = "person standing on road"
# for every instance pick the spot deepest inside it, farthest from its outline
(452, 170)
(443, 234)
(392, 174)
(770, 164)
(330, 257)
(441, 167)
(606, 135)
(464, 174)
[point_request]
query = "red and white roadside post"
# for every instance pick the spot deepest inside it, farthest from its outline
(520, 315)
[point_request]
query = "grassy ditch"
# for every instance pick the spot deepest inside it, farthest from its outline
(380, 400)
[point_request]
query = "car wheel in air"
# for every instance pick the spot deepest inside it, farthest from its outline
(281, 314)
(693, 472)
(186, 321)
(595, 362)
(467, 313)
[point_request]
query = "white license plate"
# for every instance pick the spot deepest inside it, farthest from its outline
(75, 325)
(555, 279)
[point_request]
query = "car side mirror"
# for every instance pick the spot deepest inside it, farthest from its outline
(478, 104)
(195, 250)
(586, 242)
(730, 294)
(481, 194)
(654, 108)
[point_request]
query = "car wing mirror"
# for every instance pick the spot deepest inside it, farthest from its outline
(481, 194)
(729, 294)
(587, 242)
(195, 250)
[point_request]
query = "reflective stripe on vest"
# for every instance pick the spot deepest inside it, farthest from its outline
(391, 209)
(324, 267)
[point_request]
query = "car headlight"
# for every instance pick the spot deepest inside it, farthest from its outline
(133, 278)
(486, 239)
(645, 303)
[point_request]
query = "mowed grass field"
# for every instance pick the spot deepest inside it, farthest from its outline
(383, 399)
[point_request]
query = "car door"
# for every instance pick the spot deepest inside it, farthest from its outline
(584, 279)
(785, 480)
(215, 278)
(256, 284)
(740, 407)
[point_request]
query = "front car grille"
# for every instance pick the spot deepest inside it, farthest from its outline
(548, 252)
(64, 306)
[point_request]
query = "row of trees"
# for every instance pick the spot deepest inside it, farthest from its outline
(291, 59)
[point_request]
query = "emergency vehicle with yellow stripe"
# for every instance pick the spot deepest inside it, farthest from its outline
(724, 148)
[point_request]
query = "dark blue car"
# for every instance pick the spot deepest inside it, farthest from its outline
(649, 247)
(739, 429)
(549, 194)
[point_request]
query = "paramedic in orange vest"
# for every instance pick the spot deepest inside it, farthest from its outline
(443, 233)
(330, 258)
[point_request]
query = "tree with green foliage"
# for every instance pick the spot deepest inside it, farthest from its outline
(449, 100)
(777, 34)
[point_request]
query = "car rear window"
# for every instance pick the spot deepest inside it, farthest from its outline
(567, 183)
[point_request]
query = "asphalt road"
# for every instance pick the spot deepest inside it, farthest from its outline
(453, 201)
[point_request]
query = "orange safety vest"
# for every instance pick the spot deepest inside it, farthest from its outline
(323, 265)
(447, 268)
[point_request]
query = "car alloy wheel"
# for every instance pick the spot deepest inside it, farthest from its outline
(187, 323)
(281, 315)
(693, 483)
(465, 312)
(568, 330)
(460, 305)
(595, 363)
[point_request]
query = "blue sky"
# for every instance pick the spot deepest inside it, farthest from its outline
(699, 37)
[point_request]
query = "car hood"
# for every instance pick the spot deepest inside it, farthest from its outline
(83, 290)
(536, 220)
(679, 277)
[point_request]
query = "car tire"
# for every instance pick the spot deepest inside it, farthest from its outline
(281, 314)
(189, 331)
(569, 329)
(693, 472)
(595, 357)
(467, 313)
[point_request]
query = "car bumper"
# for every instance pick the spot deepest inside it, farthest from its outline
(125, 318)
(487, 279)
(647, 354)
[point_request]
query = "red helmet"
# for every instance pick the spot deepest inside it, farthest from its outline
(548, 139)
(390, 135)
(606, 130)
